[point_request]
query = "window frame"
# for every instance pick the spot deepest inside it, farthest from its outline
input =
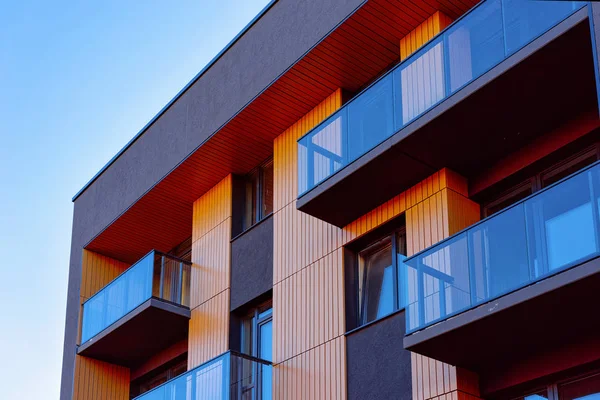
(166, 370)
(361, 295)
(257, 321)
(553, 388)
(535, 179)
(258, 197)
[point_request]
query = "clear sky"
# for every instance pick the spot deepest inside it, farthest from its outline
(78, 79)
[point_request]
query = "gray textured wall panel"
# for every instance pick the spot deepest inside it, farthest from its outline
(287, 31)
(252, 264)
(378, 366)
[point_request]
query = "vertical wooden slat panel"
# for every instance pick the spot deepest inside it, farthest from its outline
(309, 347)
(307, 271)
(93, 379)
(430, 220)
(98, 271)
(97, 380)
(209, 330)
(210, 280)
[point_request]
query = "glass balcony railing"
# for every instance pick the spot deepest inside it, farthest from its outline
(230, 376)
(546, 233)
(472, 45)
(156, 275)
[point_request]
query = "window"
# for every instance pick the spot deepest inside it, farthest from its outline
(158, 376)
(256, 339)
(258, 196)
(583, 387)
(381, 272)
(538, 179)
(588, 388)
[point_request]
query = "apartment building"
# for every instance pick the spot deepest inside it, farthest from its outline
(382, 199)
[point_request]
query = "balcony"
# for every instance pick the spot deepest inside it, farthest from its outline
(122, 322)
(516, 285)
(494, 70)
(230, 376)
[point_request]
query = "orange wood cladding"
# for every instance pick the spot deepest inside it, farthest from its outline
(95, 379)
(308, 268)
(97, 271)
(439, 209)
(209, 330)
(309, 350)
(98, 380)
(315, 374)
(423, 33)
(211, 254)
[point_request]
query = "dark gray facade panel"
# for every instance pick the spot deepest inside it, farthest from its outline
(72, 313)
(378, 366)
(252, 263)
(287, 31)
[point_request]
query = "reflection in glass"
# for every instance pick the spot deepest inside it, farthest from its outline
(156, 274)
(541, 395)
(475, 45)
(370, 118)
(479, 41)
(266, 353)
(377, 297)
(548, 232)
(438, 283)
(422, 83)
(499, 254)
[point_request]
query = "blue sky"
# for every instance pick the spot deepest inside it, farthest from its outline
(78, 80)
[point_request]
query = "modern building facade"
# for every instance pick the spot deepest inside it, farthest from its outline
(374, 199)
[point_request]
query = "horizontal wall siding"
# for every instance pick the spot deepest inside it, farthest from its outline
(211, 268)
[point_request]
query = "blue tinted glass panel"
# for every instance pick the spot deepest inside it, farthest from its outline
(526, 20)
(475, 45)
(438, 283)
(119, 297)
(266, 341)
(386, 297)
(322, 152)
(155, 275)
(402, 277)
(499, 254)
(544, 234)
(561, 224)
(370, 118)
(419, 83)
(378, 292)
